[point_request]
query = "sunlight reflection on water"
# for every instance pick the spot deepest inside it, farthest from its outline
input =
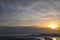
(51, 38)
(54, 38)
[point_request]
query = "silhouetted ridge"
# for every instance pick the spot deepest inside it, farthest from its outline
(25, 30)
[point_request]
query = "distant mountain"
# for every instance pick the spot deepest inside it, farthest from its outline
(26, 30)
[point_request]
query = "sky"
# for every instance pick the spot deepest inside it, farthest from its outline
(29, 12)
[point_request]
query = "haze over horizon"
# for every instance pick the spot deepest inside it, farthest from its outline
(29, 12)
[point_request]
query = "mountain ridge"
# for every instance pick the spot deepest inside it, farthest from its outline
(26, 30)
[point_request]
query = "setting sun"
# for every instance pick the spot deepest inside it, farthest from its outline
(53, 26)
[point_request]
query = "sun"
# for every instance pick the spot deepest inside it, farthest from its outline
(53, 26)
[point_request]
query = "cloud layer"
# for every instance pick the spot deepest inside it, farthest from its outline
(28, 12)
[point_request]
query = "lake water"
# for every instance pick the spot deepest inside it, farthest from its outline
(56, 38)
(50, 38)
(29, 38)
(45, 38)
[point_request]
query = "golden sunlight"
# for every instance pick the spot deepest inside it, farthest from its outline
(54, 38)
(53, 26)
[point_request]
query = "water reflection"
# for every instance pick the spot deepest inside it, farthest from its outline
(28, 38)
(50, 38)
(54, 38)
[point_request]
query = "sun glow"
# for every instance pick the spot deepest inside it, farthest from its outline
(53, 26)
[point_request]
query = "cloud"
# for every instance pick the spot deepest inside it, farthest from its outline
(28, 11)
